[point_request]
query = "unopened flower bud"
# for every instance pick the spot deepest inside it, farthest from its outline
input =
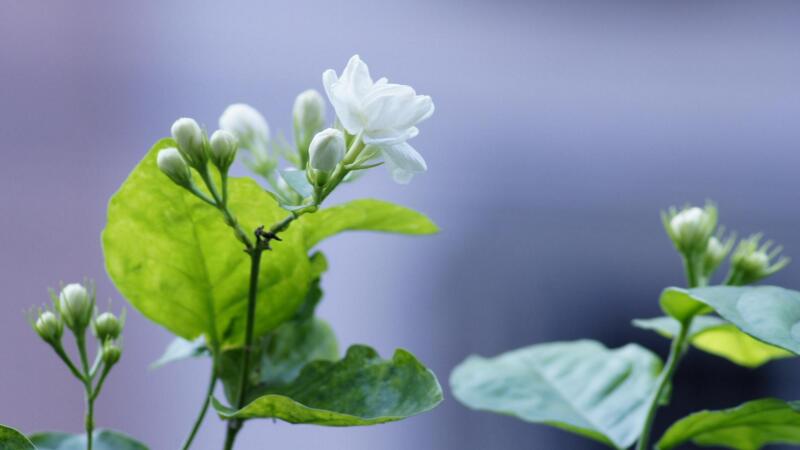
(111, 353)
(107, 327)
(49, 327)
(76, 305)
(223, 149)
(751, 262)
(247, 124)
(327, 150)
(716, 252)
(309, 112)
(691, 228)
(189, 136)
(171, 162)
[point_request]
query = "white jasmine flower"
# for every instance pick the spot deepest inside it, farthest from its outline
(384, 114)
(326, 150)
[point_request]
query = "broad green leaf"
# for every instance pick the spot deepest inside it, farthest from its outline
(680, 304)
(103, 440)
(278, 357)
(368, 214)
(718, 337)
(180, 349)
(361, 389)
(768, 313)
(11, 439)
(175, 260)
(750, 426)
(579, 386)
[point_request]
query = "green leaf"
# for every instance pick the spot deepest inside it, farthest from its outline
(768, 313)
(175, 260)
(11, 439)
(579, 386)
(368, 214)
(180, 349)
(750, 426)
(718, 337)
(103, 440)
(681, 305)
(361, 389)
(278, 357)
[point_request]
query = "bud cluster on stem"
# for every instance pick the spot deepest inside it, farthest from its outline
(74, 306)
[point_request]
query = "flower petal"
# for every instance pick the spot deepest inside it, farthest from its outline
(403, 161)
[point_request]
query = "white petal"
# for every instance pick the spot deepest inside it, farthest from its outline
(389, 136)
(356, 77)
(403, 156)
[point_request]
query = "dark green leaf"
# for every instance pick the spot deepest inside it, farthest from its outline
(768, 313)
(11, 439)
(580, 386)
(103, 440)
(180, 349)
(718, 337)
(175, 260)
(750, 426)
(278, 357)
(361, 389)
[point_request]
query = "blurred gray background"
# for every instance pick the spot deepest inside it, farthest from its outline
(561, 129)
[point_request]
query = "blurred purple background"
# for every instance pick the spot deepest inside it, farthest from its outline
(561, 129)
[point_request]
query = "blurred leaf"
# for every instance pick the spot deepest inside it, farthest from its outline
(278, 357)
(579, 386)
(750, 426)
(680, 304)
(180, 349)
(11, 439)
(175, 260)
(361, 389)
(718, 337)
(373, 215)
(768, 313)
(103, 440)
(297, 180)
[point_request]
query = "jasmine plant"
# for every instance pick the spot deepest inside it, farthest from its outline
(229, 265)
(613, 395)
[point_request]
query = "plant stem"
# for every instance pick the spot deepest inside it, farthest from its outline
(675, 354)
(80, 339)
(235, 425)
(199, 420)
(676, 351)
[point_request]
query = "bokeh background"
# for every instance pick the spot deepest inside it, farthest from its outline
(561, 129)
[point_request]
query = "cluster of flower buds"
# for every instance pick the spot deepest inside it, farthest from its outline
(74, 307)
(752, 261)
(694, 232)
(194, 150)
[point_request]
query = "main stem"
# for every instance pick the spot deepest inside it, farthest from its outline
(694, 278)
(234, 425)
(88, 391)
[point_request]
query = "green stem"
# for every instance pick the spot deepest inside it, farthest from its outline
(692, 265)
(80, 338)
(64, 357)
(675, 354)
(235, 425)
(199, 420)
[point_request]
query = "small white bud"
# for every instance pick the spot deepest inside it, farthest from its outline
(309, 111)
(107, 326)
(189, 136)
(49, 327)
(223, 149)
(171, 162)
(75, 305)
(326, 150)
(752, 261)
(247, 124)
(691, 228)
